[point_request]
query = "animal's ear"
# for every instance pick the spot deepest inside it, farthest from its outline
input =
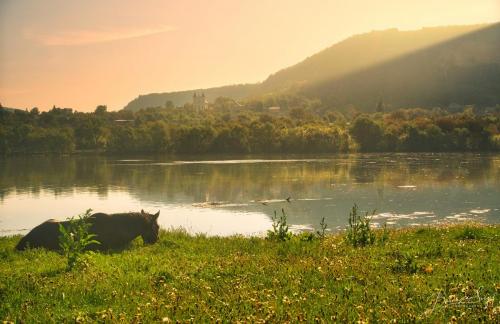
(155, 216)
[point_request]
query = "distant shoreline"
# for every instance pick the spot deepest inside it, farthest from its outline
(228, 155)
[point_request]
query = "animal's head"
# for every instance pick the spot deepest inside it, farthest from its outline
(152, 228)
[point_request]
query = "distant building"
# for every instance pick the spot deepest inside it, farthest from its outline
(199, 102)
(274, 109)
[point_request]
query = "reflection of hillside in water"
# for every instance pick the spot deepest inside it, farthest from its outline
(382, 181)
(236, 181)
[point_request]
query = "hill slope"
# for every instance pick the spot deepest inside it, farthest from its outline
(179, 98)
(362, 51)
(431, 66)
(463, 70)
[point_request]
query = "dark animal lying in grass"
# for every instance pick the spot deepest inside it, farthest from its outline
(113, 231)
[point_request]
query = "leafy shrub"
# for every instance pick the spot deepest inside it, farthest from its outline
(469, 233)
(305, 236)
(74, 238)
(366, 132)
(280, 231)
(433, 251)
(404, 263)
(359, 232)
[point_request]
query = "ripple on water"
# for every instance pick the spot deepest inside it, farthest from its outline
(391, 216)
(479, 211)
(301, 228)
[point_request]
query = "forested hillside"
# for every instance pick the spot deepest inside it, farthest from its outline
(430, 67)
(362, 51)
(463, 70)
(179, 98)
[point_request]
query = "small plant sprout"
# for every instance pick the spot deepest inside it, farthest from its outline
(385, 234)
(321, 233)
(280, 231)
(359, 232)
(75, 238)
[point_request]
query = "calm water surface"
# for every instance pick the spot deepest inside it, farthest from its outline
(239, 196)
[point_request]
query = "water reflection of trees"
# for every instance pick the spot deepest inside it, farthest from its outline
(241, 182)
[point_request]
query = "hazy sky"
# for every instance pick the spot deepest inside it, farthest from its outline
(81, 54)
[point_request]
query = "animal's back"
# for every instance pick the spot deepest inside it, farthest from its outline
(111, 230)
(114, 230)
(45, 235)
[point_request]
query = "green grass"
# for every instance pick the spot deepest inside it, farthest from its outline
(426, 274)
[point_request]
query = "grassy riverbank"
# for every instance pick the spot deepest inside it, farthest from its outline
(424, 274)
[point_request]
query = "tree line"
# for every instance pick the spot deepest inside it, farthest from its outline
(297, 127)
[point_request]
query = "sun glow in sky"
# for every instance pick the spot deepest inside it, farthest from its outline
(80, 54)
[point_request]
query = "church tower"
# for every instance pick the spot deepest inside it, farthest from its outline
(199, 102)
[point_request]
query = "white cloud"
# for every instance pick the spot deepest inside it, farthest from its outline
(84, 37)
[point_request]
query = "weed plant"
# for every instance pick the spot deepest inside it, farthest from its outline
(280, 231)
(74, 238)
(384, 237)
(322, 231)
(469, 233)
(359, 232)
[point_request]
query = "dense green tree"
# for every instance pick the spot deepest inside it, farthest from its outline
(160, 137)
(367, 133)
(197, 139)
(121, 139)
(5, 136)
(232, 139)
(390, 139)
(264, 137)
(101, 109)
(88, 132)
(459, 139)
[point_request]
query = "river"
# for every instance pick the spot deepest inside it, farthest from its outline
(238, 195)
